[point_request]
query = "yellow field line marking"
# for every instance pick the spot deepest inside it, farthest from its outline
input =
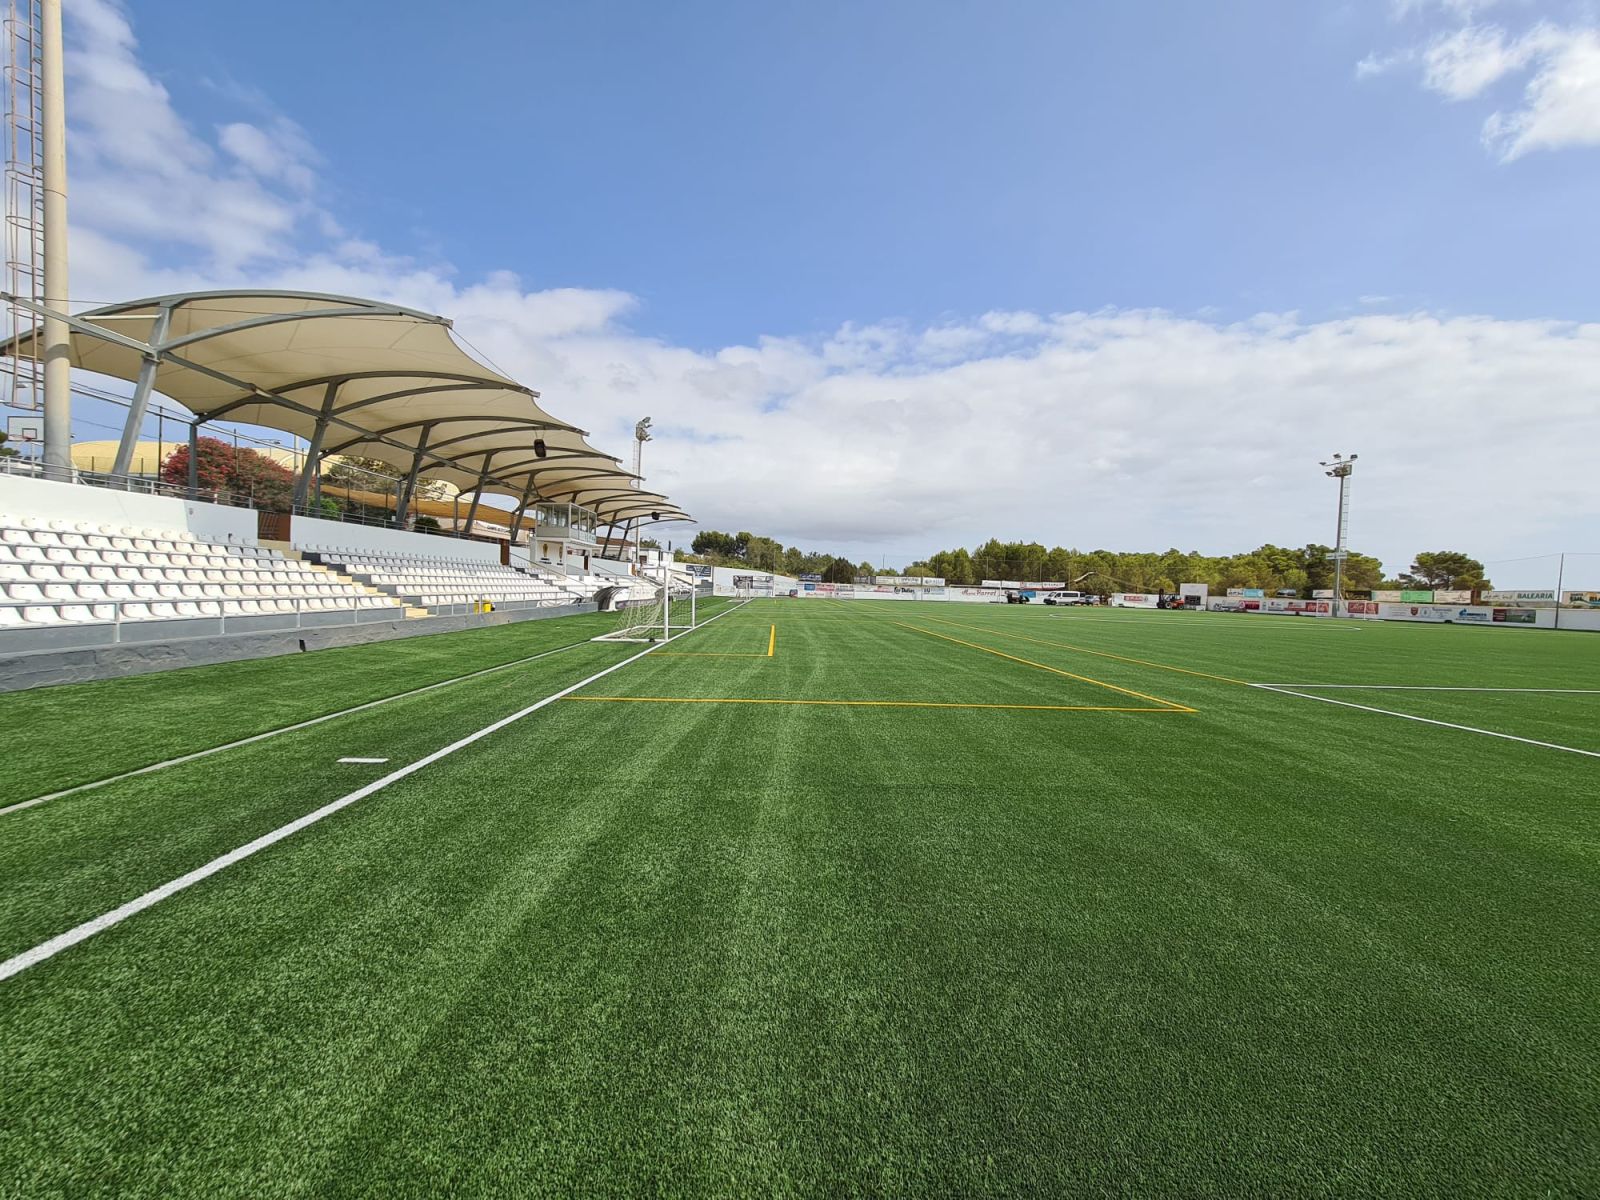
(875, 704)
(1100, 653)
(1027, 662)
(772, 642)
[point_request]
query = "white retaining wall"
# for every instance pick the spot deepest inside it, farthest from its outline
(307, 532)
(24, 497)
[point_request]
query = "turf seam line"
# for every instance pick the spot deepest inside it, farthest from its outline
(271, 733)
(1086, 650)
(875, 703)
(1388, 712)
(87, 929)
(1412, 687)
(1053, 670)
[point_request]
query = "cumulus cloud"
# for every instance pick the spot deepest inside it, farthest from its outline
(1120, 428)
(1558, 65)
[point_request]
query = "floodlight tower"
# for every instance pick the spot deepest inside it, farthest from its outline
(1341, 468)
(641, 435)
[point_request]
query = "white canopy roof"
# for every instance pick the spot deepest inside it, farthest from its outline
(351, 376)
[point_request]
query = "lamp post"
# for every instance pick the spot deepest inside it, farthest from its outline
(1341, 468)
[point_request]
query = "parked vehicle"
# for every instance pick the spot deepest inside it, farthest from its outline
(1067, 598)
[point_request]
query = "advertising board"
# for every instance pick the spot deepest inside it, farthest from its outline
(1519, 597)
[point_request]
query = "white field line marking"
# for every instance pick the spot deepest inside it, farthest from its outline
(363, 760)
(1386, 712)
(78, 933)
(271, 733)
(1408, 687)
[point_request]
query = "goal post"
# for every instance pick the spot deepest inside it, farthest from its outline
(660, 615)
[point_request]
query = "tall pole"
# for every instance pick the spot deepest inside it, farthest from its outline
(1338, 558)
(57, 338)
(1561, 578)
(1341, 468)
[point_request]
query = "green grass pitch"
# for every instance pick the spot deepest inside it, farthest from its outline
(820, 899)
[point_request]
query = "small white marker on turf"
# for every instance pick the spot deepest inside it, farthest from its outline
(363, 760)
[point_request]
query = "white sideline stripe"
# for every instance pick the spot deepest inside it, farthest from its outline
(78, 933)
(363, 760)
(1510, 737)
(271, 733)
(1408, 687)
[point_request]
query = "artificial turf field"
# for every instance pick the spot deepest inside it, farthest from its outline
(819, 898)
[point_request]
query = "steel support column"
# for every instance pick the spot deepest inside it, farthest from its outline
(302, 486)
(140, 404)
(409, 488)
(522, 509)
(194, 458)
(477, 495)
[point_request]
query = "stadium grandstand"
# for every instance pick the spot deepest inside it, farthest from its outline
(145, 560)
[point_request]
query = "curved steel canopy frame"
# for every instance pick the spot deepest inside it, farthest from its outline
(161, 349)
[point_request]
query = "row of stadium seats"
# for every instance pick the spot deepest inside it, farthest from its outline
(442, 583)
(55, 572)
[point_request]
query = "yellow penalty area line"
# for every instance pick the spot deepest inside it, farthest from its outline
(1085, 650)
(771, 650)
(1028, 662)
(874, 704)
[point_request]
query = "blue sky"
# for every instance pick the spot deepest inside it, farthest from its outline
(749, 169)
(897, 276)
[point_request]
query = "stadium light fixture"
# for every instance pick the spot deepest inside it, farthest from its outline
(539, 448)
(1341, 468)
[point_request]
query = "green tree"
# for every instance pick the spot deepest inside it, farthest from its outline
(1447, 569)
(840, 570)
(717, 547)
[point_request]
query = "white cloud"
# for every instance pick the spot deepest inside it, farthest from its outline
(1560, 101)
(280, 153)
(1460, 65)
(1115, 428)
(1561, 106)
(1462, 9)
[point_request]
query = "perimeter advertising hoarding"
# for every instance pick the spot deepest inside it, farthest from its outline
(1412, 596)
(1453, 597)
(1581, 599)
(1386, 597)
(811, 579)
(1001, 583)
(1248, 593)
(1320, 608)
(1463, 614)
(1524, 596)
(1516, 616)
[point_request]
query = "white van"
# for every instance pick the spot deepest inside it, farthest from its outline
(1065, 598)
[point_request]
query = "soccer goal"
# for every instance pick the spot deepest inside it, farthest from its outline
(657, 610)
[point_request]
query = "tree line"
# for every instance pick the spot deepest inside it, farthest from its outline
(1101, 572)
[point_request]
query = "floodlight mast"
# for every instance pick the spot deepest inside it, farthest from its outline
(1341, 468)
(57, 336)
(641, 435)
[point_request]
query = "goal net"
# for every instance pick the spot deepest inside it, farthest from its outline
(653, 610)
